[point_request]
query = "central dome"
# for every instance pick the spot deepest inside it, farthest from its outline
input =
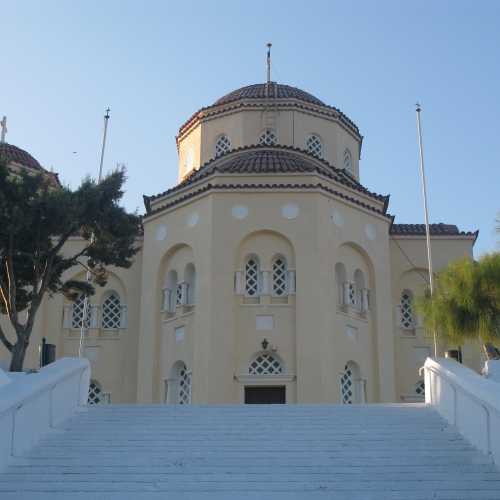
(276, 91)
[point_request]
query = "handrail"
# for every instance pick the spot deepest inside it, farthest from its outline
(24, 389)
(467, 400)
(32, 404)
(441, 370)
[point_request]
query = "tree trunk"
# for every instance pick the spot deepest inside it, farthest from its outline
(18, 354)
(490, 351)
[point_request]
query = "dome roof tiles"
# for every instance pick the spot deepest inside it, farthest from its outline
(10, 153)
(272, 90)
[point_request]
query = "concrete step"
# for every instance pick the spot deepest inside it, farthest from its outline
(372, 452)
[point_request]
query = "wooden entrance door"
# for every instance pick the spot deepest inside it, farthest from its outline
(265, 395)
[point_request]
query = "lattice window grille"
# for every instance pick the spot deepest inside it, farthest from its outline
(420, 388)
(178, 294)
(407, 318)
(268, 138)
(252, 278)
(347, 386)
(314, 146)
(351, 294)
(280, 276)
(184, 386)
(111, 312)
(222, 146)
(79, 312)
(95, 394)
(347, 161)
(265, 364)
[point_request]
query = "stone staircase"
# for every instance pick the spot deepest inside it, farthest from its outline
(369, 452)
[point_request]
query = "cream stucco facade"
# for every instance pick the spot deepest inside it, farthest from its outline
(268, 265)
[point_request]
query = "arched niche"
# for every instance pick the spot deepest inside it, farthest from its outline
(355, 258)
(266, 245)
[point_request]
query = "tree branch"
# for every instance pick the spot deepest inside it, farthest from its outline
(12, 290)
(5, 341)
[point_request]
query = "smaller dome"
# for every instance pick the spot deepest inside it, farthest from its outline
(276, 91)
(13, 154)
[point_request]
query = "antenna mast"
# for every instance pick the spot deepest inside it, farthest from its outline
(269, 45)
(86, 307)
(426, 214)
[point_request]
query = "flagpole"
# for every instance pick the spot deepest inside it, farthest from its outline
(89, 274)
(426, 214)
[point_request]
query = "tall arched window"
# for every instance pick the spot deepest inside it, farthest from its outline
(78, 313)
(190, 280)
(348, 161)
(268, 137)
(95, 393)
(265, 364)
(350, 384)
(184, 385)
(280, 276)
(112, 312)
(406, 308)
(222, 145)
(314, 145)
(340, 280)
(359, 282)
(252, 277)
(169, 298)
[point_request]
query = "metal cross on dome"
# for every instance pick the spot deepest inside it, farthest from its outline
(3, 124)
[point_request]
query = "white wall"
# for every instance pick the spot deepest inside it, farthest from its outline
(466, 400)
(33, 403)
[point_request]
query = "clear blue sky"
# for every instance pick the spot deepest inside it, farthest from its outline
(155, 63)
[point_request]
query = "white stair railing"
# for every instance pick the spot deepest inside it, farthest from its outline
(466, 400)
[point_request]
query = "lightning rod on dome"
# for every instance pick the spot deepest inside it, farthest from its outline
(269, 45)
(3, 124)
(86, 309)
(426, 213)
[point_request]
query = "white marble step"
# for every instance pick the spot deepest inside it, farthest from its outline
(375, 452)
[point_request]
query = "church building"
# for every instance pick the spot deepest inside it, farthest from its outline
(268, 273)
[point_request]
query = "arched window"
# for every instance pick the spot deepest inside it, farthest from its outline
(406, 308)
(95, 393)
(314, 145)
(268, 137)
(184, 385)
(252, 277)
(350, 384)
(222, 145)
(78, 313)
(280, 277)
(348, 161)
(169, 297)
(340, 280)
(112, 312)
(361, 295)
(265, 364)
(420, 388)
(190, 279)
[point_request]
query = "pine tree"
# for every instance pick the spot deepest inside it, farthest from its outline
(36, 221)
(466, 303)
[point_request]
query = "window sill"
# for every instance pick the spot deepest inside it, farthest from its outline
(171, 318)
(353, 313)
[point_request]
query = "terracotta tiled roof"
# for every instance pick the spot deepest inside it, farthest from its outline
(260, 187)
(280, 94)
(273, 90)
(435, 230)
(10, 153)
(269, 160)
